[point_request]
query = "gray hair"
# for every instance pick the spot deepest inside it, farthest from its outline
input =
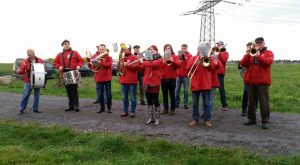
(203, 48)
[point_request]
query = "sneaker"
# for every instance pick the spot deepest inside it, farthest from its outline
(185, 107)
(250, 122)
(265, 125)
(193, 123)
(37, 111)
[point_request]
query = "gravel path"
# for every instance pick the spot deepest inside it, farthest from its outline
(283, 137)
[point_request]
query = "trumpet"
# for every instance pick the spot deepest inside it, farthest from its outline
(252, 51)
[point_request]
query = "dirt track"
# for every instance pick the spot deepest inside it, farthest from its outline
(228, 130)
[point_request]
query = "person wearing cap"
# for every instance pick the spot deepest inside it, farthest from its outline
(201, 84)
(68, 60)
(25, 68)
(259, 68)
(152, 80)
(103, 77)
(129, 82)
(136, 51)
(245, 75)
(223, 57)
(182, 79)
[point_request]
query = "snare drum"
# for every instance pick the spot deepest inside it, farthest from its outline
(71, 77)
(37, 75)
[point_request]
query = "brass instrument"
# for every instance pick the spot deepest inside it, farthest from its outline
(96, 65)
(193, 68)
(122, 67)
(167, 57)
(205, 61)
(253, 51)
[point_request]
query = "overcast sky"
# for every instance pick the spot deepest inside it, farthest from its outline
(44, 24)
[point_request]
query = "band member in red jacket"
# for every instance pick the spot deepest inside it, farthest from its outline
(168, 82)
(65, 61)
(129, 81)
(223, 57)
(259, 68)
(152, 79)
(25, 68)
(182, 78)
(201, 84)
(101, 64)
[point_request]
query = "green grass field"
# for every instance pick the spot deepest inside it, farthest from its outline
(30, 143)
(284, 91)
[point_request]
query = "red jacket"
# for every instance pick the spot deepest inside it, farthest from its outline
(153, 71)
(223, 57)
(201, 79)
(169, 71)
(246, 77)
(181, 71)
(214, 75)
(105, 73)
(25, 67)
(260, 72)
(130, 76)
(75, 61)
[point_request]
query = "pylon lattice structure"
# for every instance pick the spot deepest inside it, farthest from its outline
(207, 27)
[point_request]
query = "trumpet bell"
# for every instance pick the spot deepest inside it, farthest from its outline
(253, 52)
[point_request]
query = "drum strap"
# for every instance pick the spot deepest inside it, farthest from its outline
(63, 59)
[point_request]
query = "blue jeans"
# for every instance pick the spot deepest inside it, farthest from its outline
(206, 104)
(179, 82)
(98, 93)
(25, 97)
(104, 88)
(129, 89)
(222, 90)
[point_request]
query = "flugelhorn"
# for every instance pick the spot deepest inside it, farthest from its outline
(95, 62)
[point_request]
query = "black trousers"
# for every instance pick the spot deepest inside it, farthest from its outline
(168, 87)
(152, 98)
(72, 91)
(262, 92)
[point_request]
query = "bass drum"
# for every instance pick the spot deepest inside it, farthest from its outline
(38, 75)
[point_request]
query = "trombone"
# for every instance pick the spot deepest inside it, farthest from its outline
(193, 68)
(204, 61)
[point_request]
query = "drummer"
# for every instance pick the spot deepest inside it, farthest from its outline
(65, 61)
(25, 67)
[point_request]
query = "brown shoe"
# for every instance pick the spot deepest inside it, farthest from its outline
(193, 123)
(224, 109)
(165, 111)
(207, 124)
(124, 114)
(132, 114)
(172, 112)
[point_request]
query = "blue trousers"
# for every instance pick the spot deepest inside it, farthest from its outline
(185, 82)
(126, 90)
(207, 107)
(25, 97)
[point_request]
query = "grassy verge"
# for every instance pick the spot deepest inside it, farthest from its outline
(27, 143)
(284, 91)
